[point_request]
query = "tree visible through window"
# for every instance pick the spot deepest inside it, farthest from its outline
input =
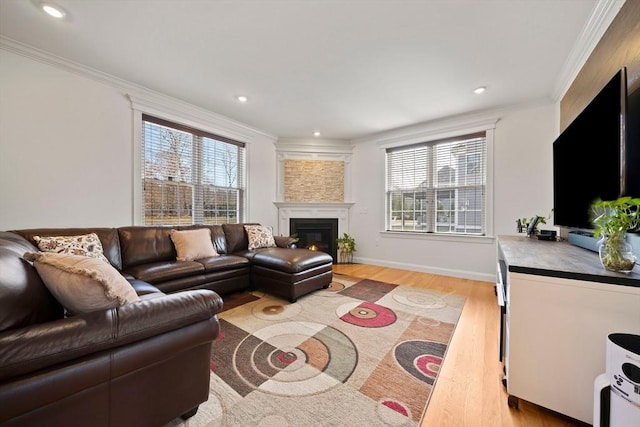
(438, 186)
(190, 176)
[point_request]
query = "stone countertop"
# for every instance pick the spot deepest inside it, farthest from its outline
(559, 259)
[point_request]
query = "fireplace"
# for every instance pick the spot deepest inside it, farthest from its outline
(316, 234)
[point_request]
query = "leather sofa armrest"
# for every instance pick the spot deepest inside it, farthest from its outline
(285, 241)
(39, 346)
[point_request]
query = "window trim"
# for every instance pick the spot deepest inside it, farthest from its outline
(189, 129)
(191, 117)
(440, 131)
(442, 237)
(194, 182)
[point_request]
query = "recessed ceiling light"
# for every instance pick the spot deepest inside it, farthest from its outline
(53, 10)
(242, 98)
(479, 90)
(316, 133)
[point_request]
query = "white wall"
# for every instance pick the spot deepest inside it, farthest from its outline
(261, 164)
(66, 150)
(522, 177)
(523, 173)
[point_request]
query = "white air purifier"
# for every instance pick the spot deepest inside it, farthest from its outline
(617, 392)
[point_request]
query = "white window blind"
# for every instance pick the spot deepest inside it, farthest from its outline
(190, 176)
(438, 186)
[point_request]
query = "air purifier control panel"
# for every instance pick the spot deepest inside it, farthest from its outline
(623, 366)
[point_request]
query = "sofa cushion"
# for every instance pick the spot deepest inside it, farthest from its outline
(236, 237)
(85, 244)
(158, 272)
(219, 239)
(24, 299)
(193, 244)
(145, 244)
(224, 262)
(144, 288)
(82, 284)
(259, 236)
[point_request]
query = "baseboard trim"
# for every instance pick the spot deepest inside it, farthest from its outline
(482, 277)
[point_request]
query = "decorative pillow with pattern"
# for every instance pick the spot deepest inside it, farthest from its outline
(259, 236)
(193, 244)
(86, 245)
(82, 284)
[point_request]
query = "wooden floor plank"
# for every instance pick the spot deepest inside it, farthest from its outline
(469, 390)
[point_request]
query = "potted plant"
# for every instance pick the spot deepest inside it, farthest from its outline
(524, 225)
(346, 248)
(613, 219)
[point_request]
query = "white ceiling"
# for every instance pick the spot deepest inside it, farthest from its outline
(348, 68)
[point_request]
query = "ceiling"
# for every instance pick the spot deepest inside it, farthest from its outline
(346, 68)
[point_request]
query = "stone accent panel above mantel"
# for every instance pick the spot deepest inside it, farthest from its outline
(313, 171)
(313, 181)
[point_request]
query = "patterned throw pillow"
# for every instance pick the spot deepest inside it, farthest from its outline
(260, 237)
(193, 244)
(82, 284)
(86, 245)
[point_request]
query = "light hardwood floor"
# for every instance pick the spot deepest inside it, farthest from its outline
(469, 390)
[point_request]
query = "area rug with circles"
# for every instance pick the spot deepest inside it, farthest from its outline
(360, 353)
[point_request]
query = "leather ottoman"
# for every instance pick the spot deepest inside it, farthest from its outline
(291, 273)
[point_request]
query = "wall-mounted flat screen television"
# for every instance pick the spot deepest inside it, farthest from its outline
(596, 156)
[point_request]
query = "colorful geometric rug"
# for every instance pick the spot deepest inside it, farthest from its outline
(359, 353)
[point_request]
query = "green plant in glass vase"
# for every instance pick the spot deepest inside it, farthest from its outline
(346, 248)
(613, 219)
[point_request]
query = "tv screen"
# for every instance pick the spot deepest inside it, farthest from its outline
(589, 156)
(632, 146)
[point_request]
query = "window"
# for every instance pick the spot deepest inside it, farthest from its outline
(190, 176)
(438, 186)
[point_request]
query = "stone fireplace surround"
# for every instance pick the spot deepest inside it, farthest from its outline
(302, 149)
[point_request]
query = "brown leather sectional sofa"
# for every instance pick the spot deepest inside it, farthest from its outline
(143, 363)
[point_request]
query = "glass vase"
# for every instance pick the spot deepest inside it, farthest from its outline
(616, 254)
(345, 257)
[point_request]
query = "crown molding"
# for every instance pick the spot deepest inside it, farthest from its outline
(436, 129)
(291, 145)
(56, 61)
(603, 13)
(143, 98)
(178, 111)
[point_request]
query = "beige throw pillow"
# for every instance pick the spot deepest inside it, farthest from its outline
(193, 244)
(85, 244)
(82, 284)
(260, 237)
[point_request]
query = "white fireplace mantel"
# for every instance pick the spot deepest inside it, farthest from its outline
(339, 210)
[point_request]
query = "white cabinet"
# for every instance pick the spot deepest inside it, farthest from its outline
(558, 322)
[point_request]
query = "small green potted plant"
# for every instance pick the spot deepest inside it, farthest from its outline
(523, 225)
(346, 248)
(613, 219)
